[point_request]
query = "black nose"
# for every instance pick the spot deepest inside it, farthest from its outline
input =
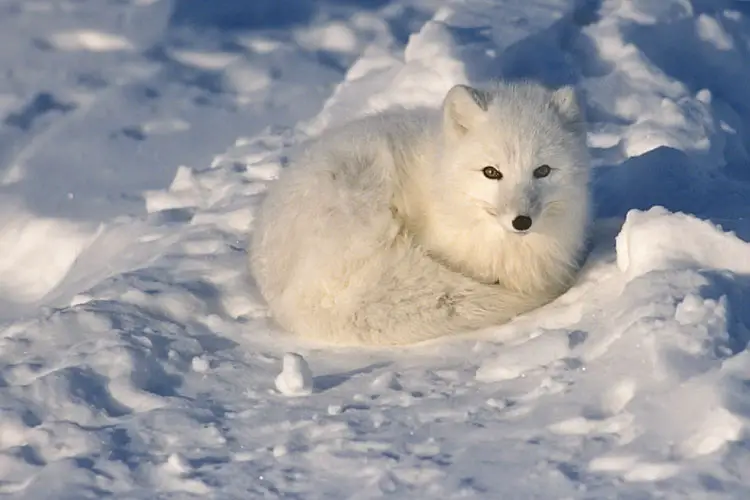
(522, 223)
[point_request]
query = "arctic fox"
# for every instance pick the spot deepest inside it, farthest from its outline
(412, 224)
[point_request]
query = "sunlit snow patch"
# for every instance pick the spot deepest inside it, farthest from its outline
(37, 251)
(93, 41)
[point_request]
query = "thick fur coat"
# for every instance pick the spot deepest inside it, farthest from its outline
(393, 230)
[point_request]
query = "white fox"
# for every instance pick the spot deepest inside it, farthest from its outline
(408, 225)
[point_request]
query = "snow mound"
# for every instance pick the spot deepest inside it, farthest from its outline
(657, 240)
(296, 378)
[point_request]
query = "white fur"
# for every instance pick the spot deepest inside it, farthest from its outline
(386, 231)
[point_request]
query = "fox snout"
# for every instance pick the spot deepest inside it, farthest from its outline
(517, 223)
(521, 223)
(521, 211)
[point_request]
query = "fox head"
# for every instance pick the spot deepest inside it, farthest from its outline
(515, 156)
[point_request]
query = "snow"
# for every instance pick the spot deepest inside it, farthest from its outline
(137, 359)
(296, 378)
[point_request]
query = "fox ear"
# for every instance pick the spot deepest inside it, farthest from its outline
(464, 107)
(565, 101)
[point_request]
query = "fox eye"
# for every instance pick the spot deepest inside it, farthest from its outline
(492, 173)
(542, 171)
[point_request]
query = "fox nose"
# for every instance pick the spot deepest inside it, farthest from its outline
(521, 223)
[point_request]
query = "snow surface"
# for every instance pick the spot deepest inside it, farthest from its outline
(137, 360)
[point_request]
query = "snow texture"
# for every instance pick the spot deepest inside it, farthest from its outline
(137, 138)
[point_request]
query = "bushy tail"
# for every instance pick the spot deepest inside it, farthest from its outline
(415, 298)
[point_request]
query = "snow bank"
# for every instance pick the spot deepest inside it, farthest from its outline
(654, 240)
